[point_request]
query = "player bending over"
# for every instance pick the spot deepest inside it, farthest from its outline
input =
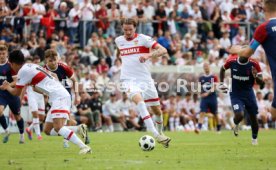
(244, 72)
(64, 73)
(135, 50)
(44, 83)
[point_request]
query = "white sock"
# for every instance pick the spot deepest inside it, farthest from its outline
(74, 128)
(192, 125)
(142, 108)
(111, 128)
(171, 121)
(159, 123)
(187, 127)
(266, 125)
(177, 122)
(36, 126)
(31, 126)
(71, 136)
(53, 132)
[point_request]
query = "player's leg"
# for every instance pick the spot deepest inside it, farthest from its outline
(273, 108)
(68, 134)
(203, 111)
(151, 98)
(213, 106)
(238, 108)
(252, 108)
(14, 105)
(3, 122)
(158, 118)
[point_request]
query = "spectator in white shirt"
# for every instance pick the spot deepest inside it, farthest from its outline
(87, 16)
(225, 41)
(73, 22)
(39, 12)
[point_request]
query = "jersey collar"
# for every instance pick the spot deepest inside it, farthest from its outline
(242, 63)
(135, 36)
(50, 69)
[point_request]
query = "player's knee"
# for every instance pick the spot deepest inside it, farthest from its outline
(17, 117)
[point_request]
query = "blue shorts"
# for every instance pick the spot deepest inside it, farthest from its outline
(239, 104)
(12, 101)
(209, 104)
(274, 98)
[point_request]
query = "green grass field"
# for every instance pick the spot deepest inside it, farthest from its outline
(120, 151)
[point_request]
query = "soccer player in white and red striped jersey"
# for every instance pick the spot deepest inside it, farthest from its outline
(44, 83)
(135, 50)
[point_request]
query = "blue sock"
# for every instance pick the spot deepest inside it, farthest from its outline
(3, 122)
(20, 125)
(199, 126)
(218, 127)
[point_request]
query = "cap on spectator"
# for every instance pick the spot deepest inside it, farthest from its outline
(112, 94)
(52, 1)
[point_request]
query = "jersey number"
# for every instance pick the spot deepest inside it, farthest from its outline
(236, 107)
(43, 71)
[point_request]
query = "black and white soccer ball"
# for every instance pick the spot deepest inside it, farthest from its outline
(147, 143)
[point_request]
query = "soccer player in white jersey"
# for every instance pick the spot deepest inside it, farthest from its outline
(44, 83)
(135, 50)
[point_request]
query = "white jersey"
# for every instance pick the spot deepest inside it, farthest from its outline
(130, 51)
(35, 75)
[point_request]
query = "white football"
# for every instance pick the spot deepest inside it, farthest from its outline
(147, 143)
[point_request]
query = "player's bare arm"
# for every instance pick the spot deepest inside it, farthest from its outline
(75, 89)
(14, 91)
(157, 51)
(118, 53)
(244, 51)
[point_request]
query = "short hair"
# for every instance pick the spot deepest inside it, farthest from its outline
(17, 57)
(3, 47)
(52, 54)
(270, 5)
(128, 21)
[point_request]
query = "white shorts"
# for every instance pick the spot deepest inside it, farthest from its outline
(60, 108)
(146, 88)
(36, 102)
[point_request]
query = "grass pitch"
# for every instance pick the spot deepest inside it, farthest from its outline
(120, 151)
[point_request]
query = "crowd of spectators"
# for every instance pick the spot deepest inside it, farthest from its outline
(83, 32)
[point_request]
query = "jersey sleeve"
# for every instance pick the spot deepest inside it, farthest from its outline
(23, 78)
(215, 78)
(260, 33)
(149, 42)
(229, 61)
(256, 65)
(68, 71)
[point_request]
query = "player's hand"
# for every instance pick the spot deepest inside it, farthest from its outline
(144, 58)
(4, 85)
(254, 72)
(235, 49)
(223, 88)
